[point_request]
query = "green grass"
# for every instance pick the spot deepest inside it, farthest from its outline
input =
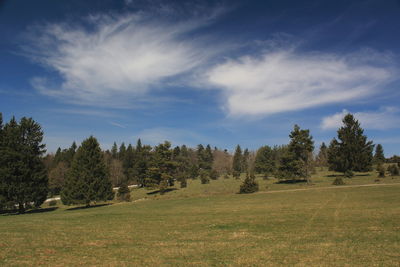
(209, 225)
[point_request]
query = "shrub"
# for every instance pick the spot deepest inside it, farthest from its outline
(214, 175)
(338, 181)
(249, 185)
(124, 193)
(204, 177)
(381, 171)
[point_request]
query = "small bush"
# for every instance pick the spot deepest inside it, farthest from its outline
(214, 175)
(338, 181)
(124, 194)
(265, 176)
(226, 176)
(381, 171)
(249, 185)
(204, 177)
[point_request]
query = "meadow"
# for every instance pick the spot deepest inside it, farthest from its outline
(212, 225)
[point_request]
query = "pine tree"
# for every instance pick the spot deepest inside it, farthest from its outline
(114, 151)
(124, 194)
(208, 158)
(245, 160)
(122, 150)
(128, 163)
(249, 184)
(379, 157)
(237, 162)
(141, 162)
(352, 152)
(23, 176)
(322, 158)
(296, 163)
(162, 169)
(204, 177)
(87, 180)
(265, 162)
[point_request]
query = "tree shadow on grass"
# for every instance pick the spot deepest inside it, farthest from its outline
(341, 175)
(33, 211)
(293, 181)
(165, 191)
(89, 207)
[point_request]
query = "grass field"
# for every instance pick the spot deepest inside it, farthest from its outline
(210, 225)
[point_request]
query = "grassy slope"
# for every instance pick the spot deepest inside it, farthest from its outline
(354, 226)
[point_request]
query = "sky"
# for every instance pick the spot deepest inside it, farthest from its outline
(211, 72)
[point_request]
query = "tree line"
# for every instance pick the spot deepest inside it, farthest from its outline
(86, 174)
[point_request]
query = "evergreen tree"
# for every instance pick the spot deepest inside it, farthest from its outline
(114, 151)
(69, 154)
(142, 160)
(162, 169)
(297, 163)
(204, 177)
(23, 176)
(351, 152)
(237, 162)
(128, 163)
(322, 158)
(245, 160)
(122, 150)
(124, 194)
(249, 184)
(200, 156)
(87, 180)
(208, 158)
(379, 157)
(265, 162)
(204, 157)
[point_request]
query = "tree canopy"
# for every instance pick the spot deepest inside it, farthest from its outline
(23, 177)
(351, 151)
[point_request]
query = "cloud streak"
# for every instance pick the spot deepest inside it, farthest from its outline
(123, 57)
(385, 118)
(281, 81)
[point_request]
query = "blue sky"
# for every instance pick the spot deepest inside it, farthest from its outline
(218, 72)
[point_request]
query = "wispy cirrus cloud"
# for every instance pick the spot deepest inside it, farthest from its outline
(385, 118)
(281, 81)
(121, 57)
(132, 60)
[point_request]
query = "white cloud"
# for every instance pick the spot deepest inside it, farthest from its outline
(120, 57)
(117, 124)
(385, 118)
(280, 81)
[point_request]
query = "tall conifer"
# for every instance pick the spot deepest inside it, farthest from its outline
(88, 179)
